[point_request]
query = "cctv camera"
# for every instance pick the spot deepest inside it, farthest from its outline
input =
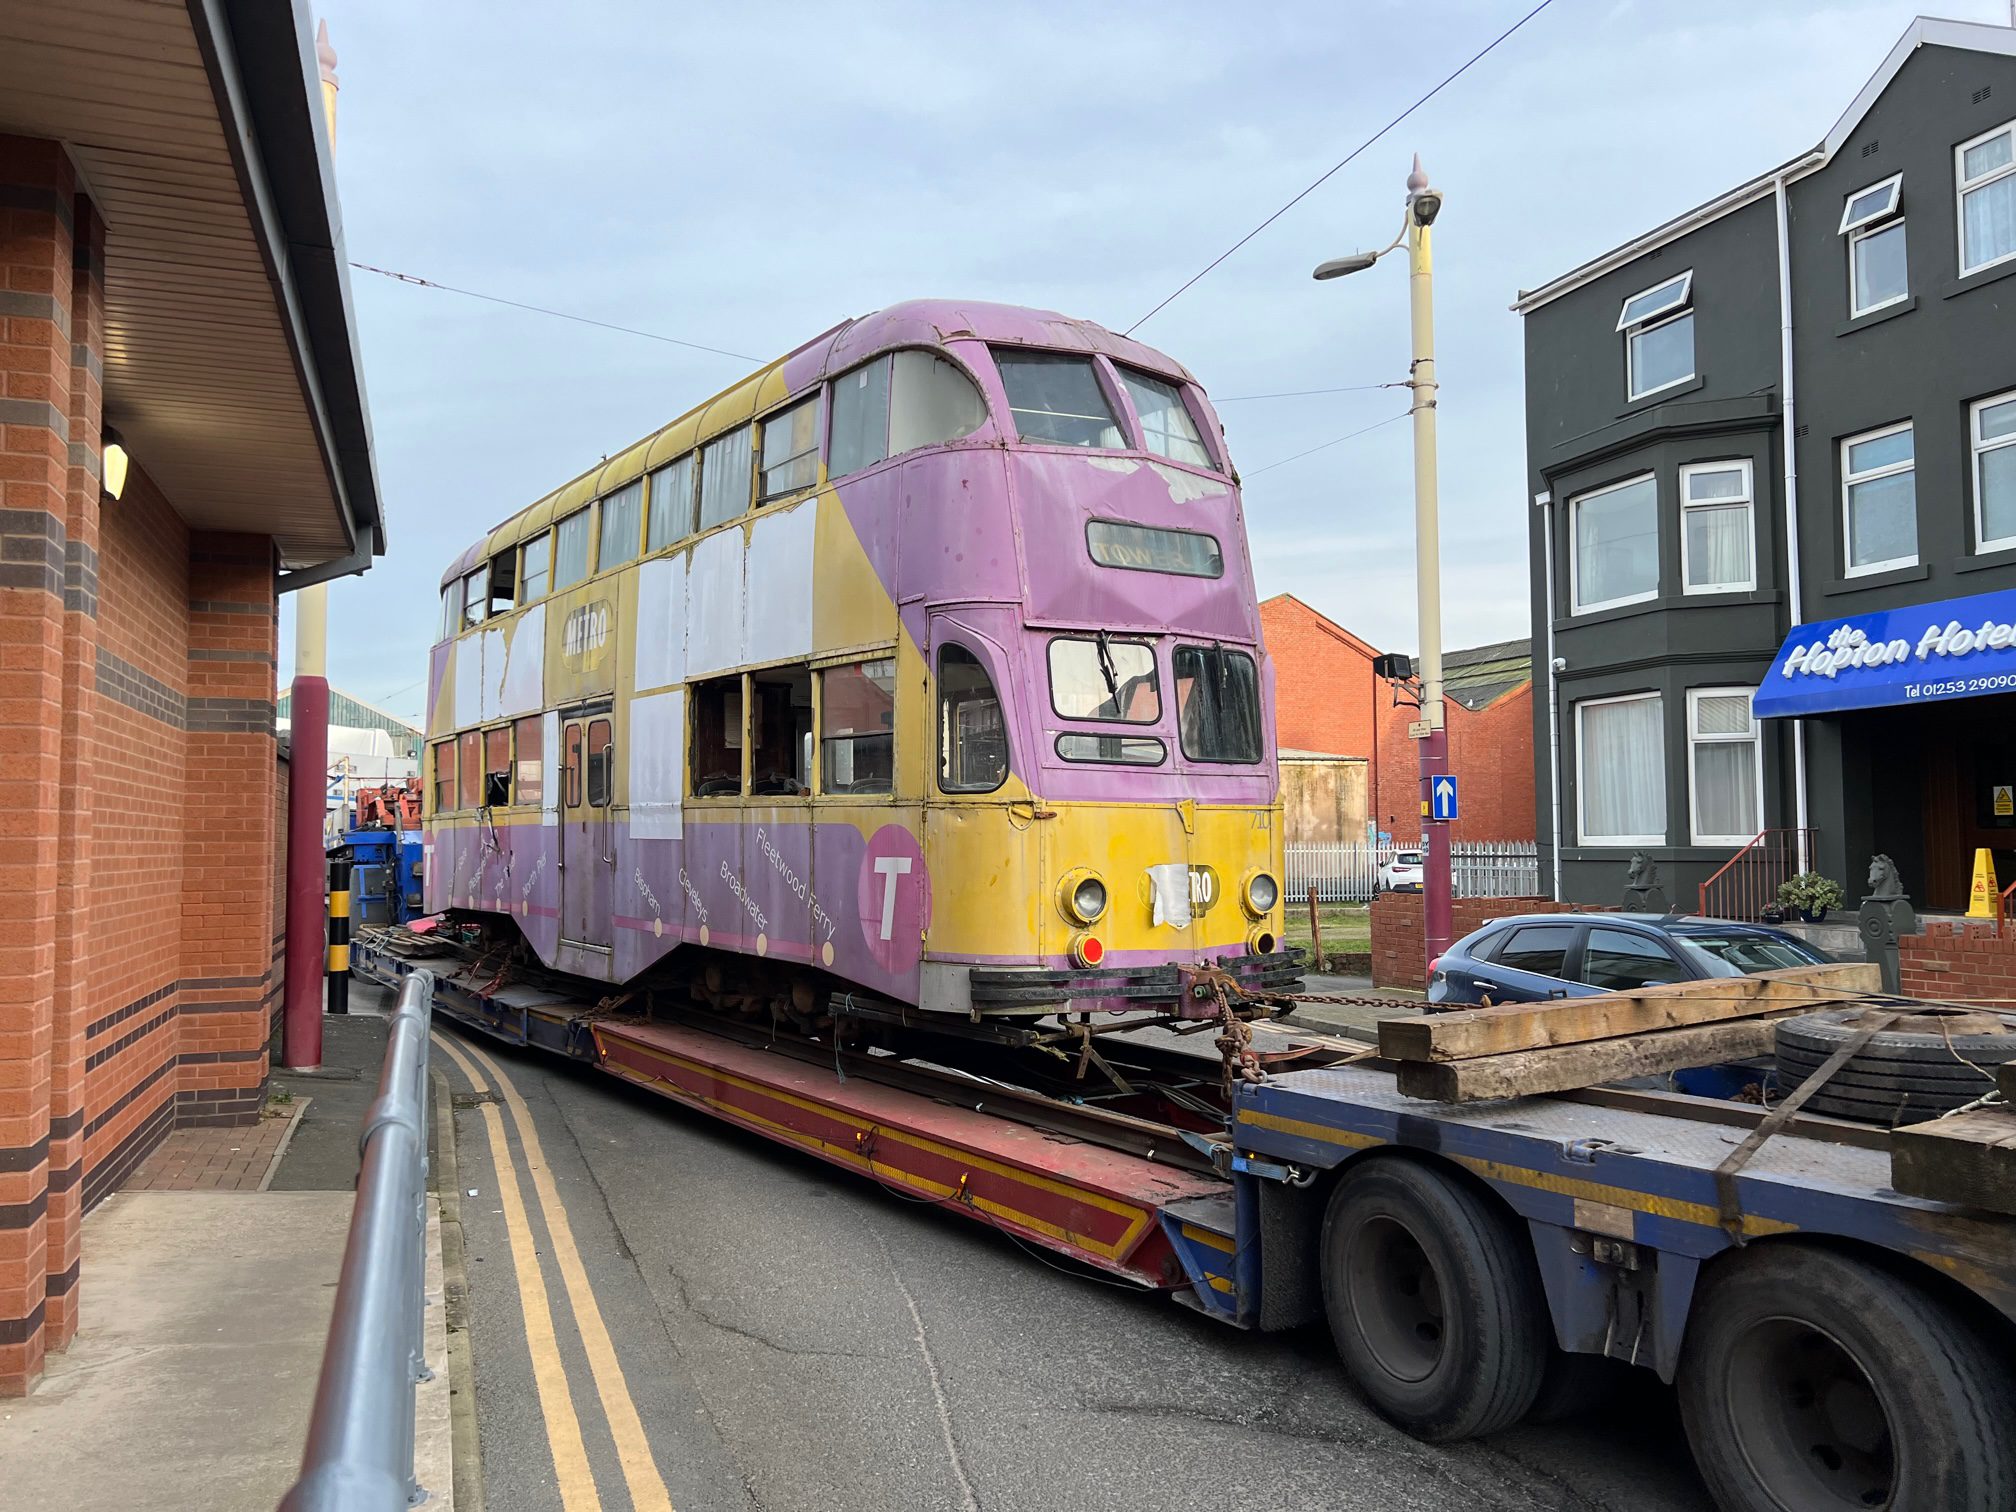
(1427, 205)
(1560, 664)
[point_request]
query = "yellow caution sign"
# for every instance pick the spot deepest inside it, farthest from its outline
(2005, 800)
(1982, 903)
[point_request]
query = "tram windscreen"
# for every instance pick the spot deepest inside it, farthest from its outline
(1217, 703)
(1104, 678)
(1058, 399)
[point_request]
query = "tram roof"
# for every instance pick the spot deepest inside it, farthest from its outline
(914, 323)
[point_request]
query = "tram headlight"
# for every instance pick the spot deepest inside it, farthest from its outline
(1261, 893)
(1081, 897)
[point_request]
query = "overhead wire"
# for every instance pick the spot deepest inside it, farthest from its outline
(518, 304)
(1325, 177)
(1325, 446)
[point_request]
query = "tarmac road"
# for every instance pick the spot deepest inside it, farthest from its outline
(745, 1328)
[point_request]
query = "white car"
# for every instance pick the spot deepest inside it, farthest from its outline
(1400, 874)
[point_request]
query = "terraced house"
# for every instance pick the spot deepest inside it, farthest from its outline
(1772, 448)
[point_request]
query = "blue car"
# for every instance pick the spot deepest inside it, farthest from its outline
(1529, 958)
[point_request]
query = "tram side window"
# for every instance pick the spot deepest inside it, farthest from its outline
(475, 596)
(671, 504)
(497, 767)
(503, 582)
(934, 402)
(469, 792)
(601, 763)
(444, 776)
(535, 568)
(1166, 427)
(717, 738)
(1217, 704)
(530, 773)
(451, 609)
(860, 419)
(725, 467)
(570, 549)
(857, 725)
(972, 734)
(1058, 399)
(1104, 679)
(780, 732)
(622, 525)
(791, 450)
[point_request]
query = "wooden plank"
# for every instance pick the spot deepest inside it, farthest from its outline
(1969, 1159)
(1515, 1027)
(1563, 1068)
(2005, 1080)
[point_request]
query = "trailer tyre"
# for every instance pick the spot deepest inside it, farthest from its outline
(1813, 1379)
(1433, 1301)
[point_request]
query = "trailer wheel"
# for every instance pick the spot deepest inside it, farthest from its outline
(1433, 1301)
(1811, 1379)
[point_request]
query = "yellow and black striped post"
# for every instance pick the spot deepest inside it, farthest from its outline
(338, 999)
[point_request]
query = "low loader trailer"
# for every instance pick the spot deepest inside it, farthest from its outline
(1494, 1211)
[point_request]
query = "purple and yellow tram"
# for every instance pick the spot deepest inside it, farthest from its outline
(923, 663)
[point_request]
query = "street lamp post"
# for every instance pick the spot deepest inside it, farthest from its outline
(1423, 205)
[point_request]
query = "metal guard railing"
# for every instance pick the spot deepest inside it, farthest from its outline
(360, 1434)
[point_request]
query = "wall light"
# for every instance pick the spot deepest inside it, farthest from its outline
(115, 464)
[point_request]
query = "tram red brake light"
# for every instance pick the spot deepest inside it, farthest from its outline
(1088, 950)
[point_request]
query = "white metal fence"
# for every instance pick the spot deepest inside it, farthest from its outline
(1348, 872)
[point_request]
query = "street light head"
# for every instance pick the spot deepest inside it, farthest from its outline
(1425, 206)
(1337, 267)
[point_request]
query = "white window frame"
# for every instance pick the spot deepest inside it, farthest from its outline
(1887, 217)
(1582, 835)
(1678, 307)
(1962, 187)
(1755, 739)
(1979, 448)
(1749, 503)
(1894, 183)
(1575, 604)
(1848, 480)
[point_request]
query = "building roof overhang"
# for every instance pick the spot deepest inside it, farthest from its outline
(231, 365)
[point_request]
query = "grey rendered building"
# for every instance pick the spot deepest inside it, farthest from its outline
(1772, 453)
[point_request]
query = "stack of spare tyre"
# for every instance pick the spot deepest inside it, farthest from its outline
(1929, 1062)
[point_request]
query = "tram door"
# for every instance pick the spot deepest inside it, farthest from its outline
(587, 832)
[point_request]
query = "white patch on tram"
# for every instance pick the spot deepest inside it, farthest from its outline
(714, 605)
(465, 666)
(657, 765)
(521, 687)
(1187, 487)
(777, 602)
(661, 622)
(1169, 890)
(1114, 465)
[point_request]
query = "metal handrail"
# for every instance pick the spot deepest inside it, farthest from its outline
(360, 1435)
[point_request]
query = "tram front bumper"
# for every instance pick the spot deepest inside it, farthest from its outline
(1166, 988)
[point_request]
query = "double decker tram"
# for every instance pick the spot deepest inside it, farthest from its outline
(919, 671)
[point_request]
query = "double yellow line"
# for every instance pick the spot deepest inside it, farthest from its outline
(549, 1375)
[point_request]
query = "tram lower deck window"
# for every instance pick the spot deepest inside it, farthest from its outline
(857, 728)
(780, 732)
(972, 734)
(716, 760)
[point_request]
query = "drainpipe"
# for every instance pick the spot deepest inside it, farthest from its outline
(1545, 501)
(1790, 410)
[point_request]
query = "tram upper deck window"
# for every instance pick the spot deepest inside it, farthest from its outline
(671, 504)
(791, 450)
(1147, 548)
(1058, 399)
(857, 728)
(1217, 703)
(1104, 679)
(475, 596)
(972, 734)
(724, 477)
(896, 404)
(535, 568)
(1167, 428)
(570, 550)
(780, 732)
(503, 582)
(622, 525)
(451, 609)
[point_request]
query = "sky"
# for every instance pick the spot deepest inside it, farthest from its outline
(745, 177)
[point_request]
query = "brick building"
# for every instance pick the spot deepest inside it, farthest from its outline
(182, 439)
(1326, 699)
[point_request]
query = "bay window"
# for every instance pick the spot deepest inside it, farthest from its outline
(1613, 545)
(1620, 770)
(1716, 527)
(1725, 768)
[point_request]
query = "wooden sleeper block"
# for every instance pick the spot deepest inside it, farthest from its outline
(1968, 1159)
(1563, 1068)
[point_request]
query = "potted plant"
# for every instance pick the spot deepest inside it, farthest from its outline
(1810, 895)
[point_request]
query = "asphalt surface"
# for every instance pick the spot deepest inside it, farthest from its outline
(792, 1337)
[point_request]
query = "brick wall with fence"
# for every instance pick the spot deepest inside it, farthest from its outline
(1959, 962)
(1398, 954)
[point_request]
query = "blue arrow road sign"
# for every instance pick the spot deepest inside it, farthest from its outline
(1442, 803)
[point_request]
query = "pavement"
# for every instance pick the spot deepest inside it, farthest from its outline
(208, 1283)
(667, 1312)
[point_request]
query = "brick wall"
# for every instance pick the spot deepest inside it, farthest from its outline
(1399, 959)
(1959, 962)
(139, 874)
